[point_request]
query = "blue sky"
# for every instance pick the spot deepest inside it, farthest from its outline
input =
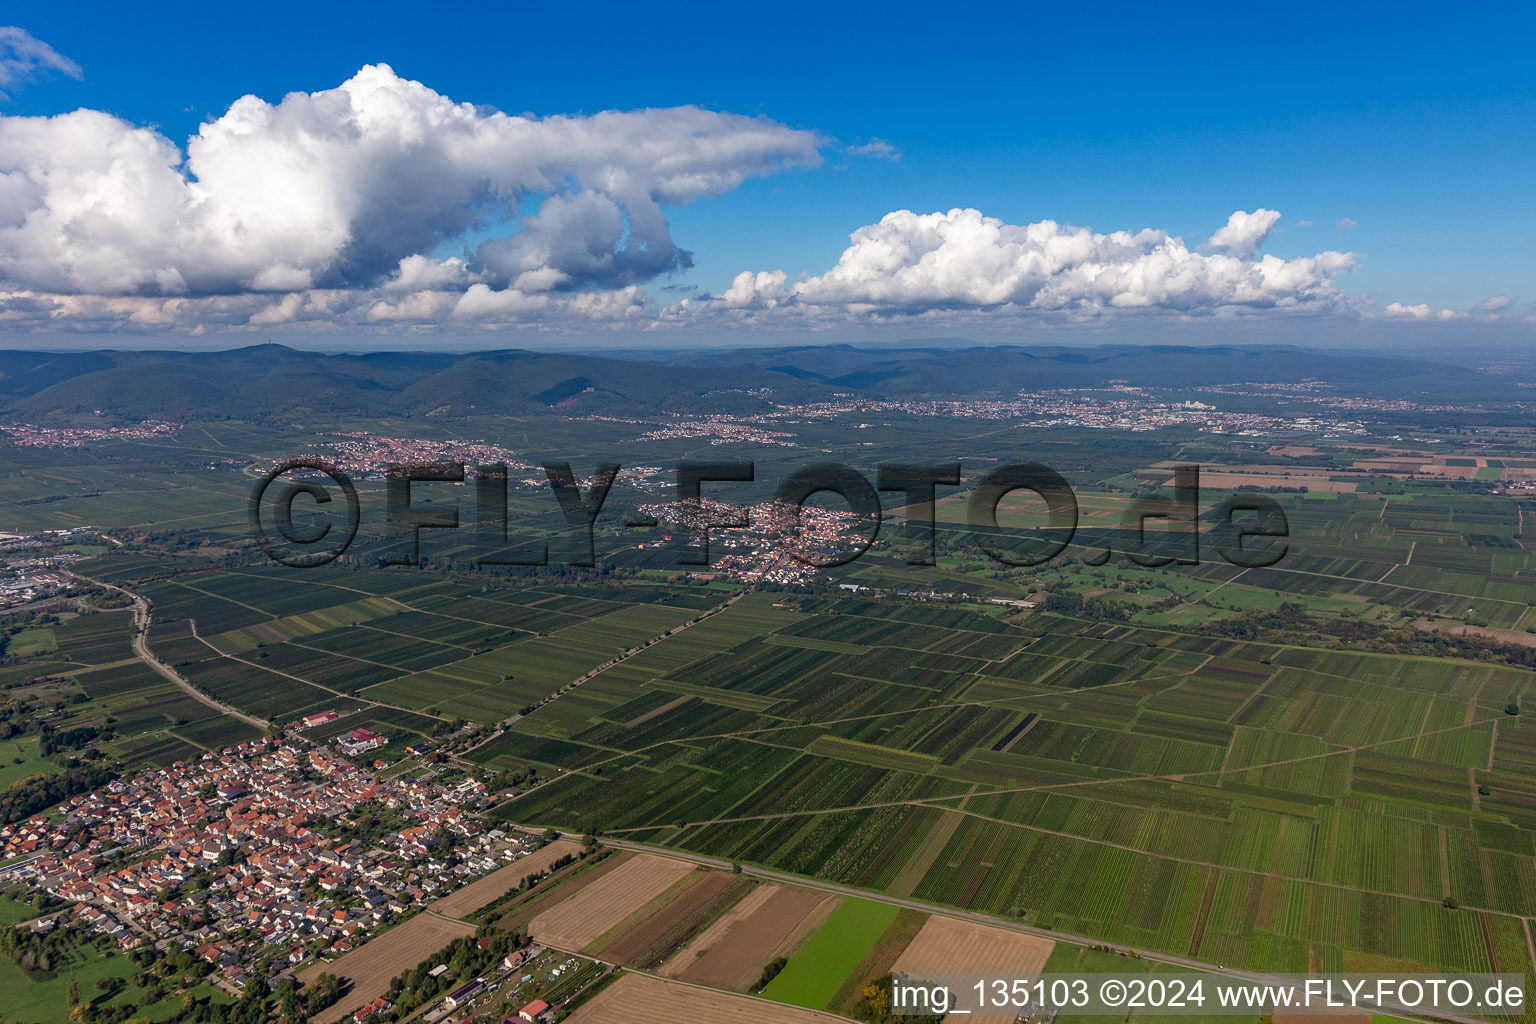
(1414, 124)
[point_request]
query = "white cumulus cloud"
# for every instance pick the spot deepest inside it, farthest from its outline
(345, 188)
(911, 264)
(1244, 233)
(1419, 311)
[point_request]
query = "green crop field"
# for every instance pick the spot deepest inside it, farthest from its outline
(817, 970)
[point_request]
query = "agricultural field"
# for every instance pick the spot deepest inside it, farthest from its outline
(647, 1000)
(578, 921)
(730, 954)
(1311, 765)
(372, 965)
(672, 921)
(94, 681)
(472, 897)
(729, 931)
(1196, 772)
(818, 969)
(19, 759)
(947, 945)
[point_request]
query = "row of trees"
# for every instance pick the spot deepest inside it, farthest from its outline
(1291, 623)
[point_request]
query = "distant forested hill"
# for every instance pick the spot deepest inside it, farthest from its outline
(264, 381)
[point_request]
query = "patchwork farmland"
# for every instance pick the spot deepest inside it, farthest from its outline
(1228, 796)
(1319, 765)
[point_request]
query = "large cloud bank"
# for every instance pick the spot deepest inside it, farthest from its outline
(352, 188)
(339, 208)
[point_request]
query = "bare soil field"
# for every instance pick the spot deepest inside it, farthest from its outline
(372, 964)
(735, 959)
(656, 922)
(709, 937)
(550, 895)
(581, 917)
(1392, 465)
(642, 999)
(496, 884)
(1312, 481)
(1508, 636)
(1454, 472)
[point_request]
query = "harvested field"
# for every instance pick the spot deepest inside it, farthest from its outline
(371, 965)
(547, 897)
(642, 999)
(664, 930)
(578, 920)
(1312, 481)
(736, 957)
(498, 883)
(946, 945)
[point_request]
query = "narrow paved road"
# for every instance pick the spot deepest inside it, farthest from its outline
(141, 620)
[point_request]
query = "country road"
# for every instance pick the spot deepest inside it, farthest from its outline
(141, 621)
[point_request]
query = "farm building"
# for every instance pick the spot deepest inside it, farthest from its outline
(459, 996)
(361, 739)
(536, 1012)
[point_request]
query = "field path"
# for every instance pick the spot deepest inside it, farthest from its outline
(141, 621)
(617, 659)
